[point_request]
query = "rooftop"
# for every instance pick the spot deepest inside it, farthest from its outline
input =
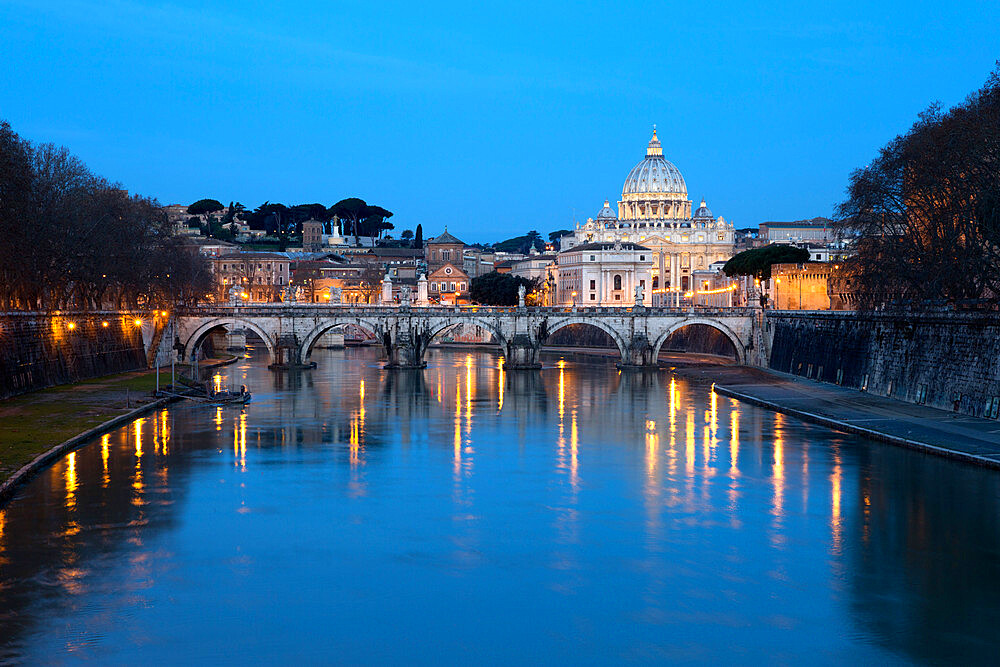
(444, 238)
(606, 245)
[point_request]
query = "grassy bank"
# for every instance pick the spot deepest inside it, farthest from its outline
(32, 423)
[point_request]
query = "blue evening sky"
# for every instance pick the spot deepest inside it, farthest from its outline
(491, 117)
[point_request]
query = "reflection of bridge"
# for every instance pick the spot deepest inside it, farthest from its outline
(289, 331)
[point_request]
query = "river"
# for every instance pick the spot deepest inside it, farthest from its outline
(464, 514)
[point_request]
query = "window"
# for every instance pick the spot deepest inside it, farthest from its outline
(446, 255)
(593, 297)
(593, 258)
(642, 258)
(281, 280)
(722, 237)
(642, 283)
(618, 297)
(462, 286)
(434, 287)
(618, 281)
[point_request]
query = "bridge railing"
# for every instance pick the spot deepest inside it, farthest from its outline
(372, 310)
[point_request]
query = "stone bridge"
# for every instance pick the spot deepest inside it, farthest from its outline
(290, 331)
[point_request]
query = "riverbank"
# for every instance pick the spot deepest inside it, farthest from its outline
(37, 427)
(932, 430)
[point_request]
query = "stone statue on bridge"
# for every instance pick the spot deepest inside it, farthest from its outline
(520, 296)
(638, 295)
(235, 295)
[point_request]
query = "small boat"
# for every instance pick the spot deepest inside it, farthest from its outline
(226, 397)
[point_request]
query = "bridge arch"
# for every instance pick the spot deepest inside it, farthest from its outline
(715, 324)
(439, 326)
(594, 322)
(326, 325)
(195, 340)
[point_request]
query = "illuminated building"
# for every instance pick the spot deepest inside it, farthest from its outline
(655, 212)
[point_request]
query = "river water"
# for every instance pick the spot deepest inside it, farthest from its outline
(464, 514)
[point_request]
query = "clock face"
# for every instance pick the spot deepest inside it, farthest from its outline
(448, 270)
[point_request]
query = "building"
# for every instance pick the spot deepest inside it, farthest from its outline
(209, 247)
(443, 249)
(816, 231)
(603, 274)
(312, 235)
(476, 262)
(262, 276)
(534, 266)
(800, 286)
(655, 212)
(448, 284)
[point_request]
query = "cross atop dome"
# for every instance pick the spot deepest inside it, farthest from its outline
(654, 147)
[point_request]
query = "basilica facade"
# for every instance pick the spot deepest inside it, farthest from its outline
(654, 212)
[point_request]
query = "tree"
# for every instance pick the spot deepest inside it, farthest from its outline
(79, 240)
(370, 284)
(418, 240)
(351, 210)
(374, 222)
(499, 289)
(924, 215)
(757, 262)
(534, 239)
(406, 235)
(556, 237)
(205, 206)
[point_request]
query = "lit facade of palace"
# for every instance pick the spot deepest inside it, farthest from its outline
(655, 212)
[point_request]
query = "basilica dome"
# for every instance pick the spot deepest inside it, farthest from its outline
(655, 174)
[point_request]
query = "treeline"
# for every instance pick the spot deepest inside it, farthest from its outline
(925, 214)
(354, 216)
(71, 239)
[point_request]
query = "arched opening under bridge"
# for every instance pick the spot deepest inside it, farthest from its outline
(353, 332)
(219, 337)
(467, 333)
(569, 336)
(700, 338)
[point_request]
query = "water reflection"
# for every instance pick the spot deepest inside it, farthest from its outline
(637, 503)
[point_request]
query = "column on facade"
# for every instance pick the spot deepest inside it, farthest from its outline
(662, 282)
(675, 279)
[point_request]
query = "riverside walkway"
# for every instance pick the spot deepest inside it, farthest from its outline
(958, 436)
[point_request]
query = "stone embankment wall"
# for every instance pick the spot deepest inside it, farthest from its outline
(947, 360)
(40, 350)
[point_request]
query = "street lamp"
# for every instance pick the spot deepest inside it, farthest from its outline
(574, 299)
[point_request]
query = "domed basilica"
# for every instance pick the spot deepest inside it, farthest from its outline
(655, 212)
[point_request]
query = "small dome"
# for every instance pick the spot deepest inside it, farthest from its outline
(703, 211)
(606, 212)
(655, 174)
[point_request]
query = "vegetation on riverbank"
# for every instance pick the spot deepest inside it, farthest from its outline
(31, 424)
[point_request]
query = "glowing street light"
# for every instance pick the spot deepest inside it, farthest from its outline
(71, 326)
(104, 324)
(138, 322)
